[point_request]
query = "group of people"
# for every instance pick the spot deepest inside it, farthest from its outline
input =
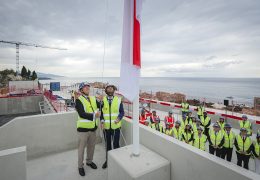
(197, 130)
(106, 112)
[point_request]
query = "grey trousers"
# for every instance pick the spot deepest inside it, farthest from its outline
(86, 139)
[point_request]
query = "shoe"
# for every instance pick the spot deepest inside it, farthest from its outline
(104, 165)
(82, 171)
(92, 165)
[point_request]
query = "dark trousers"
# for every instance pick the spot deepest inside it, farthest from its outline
(112, 135)
(227, 153)
(212, 150)
(206, 132)
(243, 158)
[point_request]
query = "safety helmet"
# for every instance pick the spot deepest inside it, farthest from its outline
(170, 112)
(227, 125)
(244, 116)
(83, 84)
(216, 125)
(110, 85)
(178, 122)
(243, 129)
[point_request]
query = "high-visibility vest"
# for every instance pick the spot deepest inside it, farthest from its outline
(257, 148)
(200, 141)
(157, 127)
(246, 125)
(194, 127)
(222, 125)
(90, 106)
(168, 132)
(243, 145)
(154, 118)
(169, 120)
(142, 119)
(201, 110)
(215, 138)
(177, 133)
(229, 139)
(111, 112)
(184, 107)
(187, 136)
(204, 121)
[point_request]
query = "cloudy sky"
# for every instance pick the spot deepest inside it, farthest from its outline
(184, 38)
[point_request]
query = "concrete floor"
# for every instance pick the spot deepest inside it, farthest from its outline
(63, 166)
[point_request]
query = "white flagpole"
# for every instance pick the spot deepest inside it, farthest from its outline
(136, 148)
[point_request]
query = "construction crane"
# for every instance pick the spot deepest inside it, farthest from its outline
(17, 45)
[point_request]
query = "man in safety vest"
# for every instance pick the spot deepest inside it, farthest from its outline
(168, 130)
(205, 122)
(256, 153)
(87, 123)
(177, 130)
(112, 114)
(245, 123)
(221, 123)
(169, 119)
(216, 140)
(229, 138)
(185, 107)
(200, 139)
(154, 117)
(157, 125)
(142, 117)
(194, 125)
(201, 110)
(187, 134)
(244, 147)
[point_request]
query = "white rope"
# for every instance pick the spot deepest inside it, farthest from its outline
(105, 38)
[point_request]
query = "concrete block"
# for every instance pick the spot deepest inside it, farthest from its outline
(13, 164)
(147, 166)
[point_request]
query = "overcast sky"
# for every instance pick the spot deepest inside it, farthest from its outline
(184, 38)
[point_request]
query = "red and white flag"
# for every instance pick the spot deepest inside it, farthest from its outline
(131, 50)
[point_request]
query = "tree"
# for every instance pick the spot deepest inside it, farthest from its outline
(24, 72)
(34, 75)
(28, 74)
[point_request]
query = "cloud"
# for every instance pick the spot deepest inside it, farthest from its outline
(179, 38)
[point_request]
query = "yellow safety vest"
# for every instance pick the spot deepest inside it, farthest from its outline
(200, 141)
(194, 128)
(185, 107)
(204, 121)
(177, 133)
(247, 125)
(157, 127)
(229, 139)
(89, 107)
(222, 125)
(201, 110)
(111, 112)
(243, 146)
(215, 139)
(187, 137)
(168, 132)
(257, 148)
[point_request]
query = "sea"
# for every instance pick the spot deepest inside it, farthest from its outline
(238, 90)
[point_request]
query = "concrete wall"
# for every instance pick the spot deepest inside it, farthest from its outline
(13, 164)
(187, 162)
(41, 134)
(19, 105)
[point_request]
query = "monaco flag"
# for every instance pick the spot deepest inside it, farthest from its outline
(131, 50)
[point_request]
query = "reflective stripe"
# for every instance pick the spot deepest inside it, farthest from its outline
(85, 120)
(107, 115)
(107, 121)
